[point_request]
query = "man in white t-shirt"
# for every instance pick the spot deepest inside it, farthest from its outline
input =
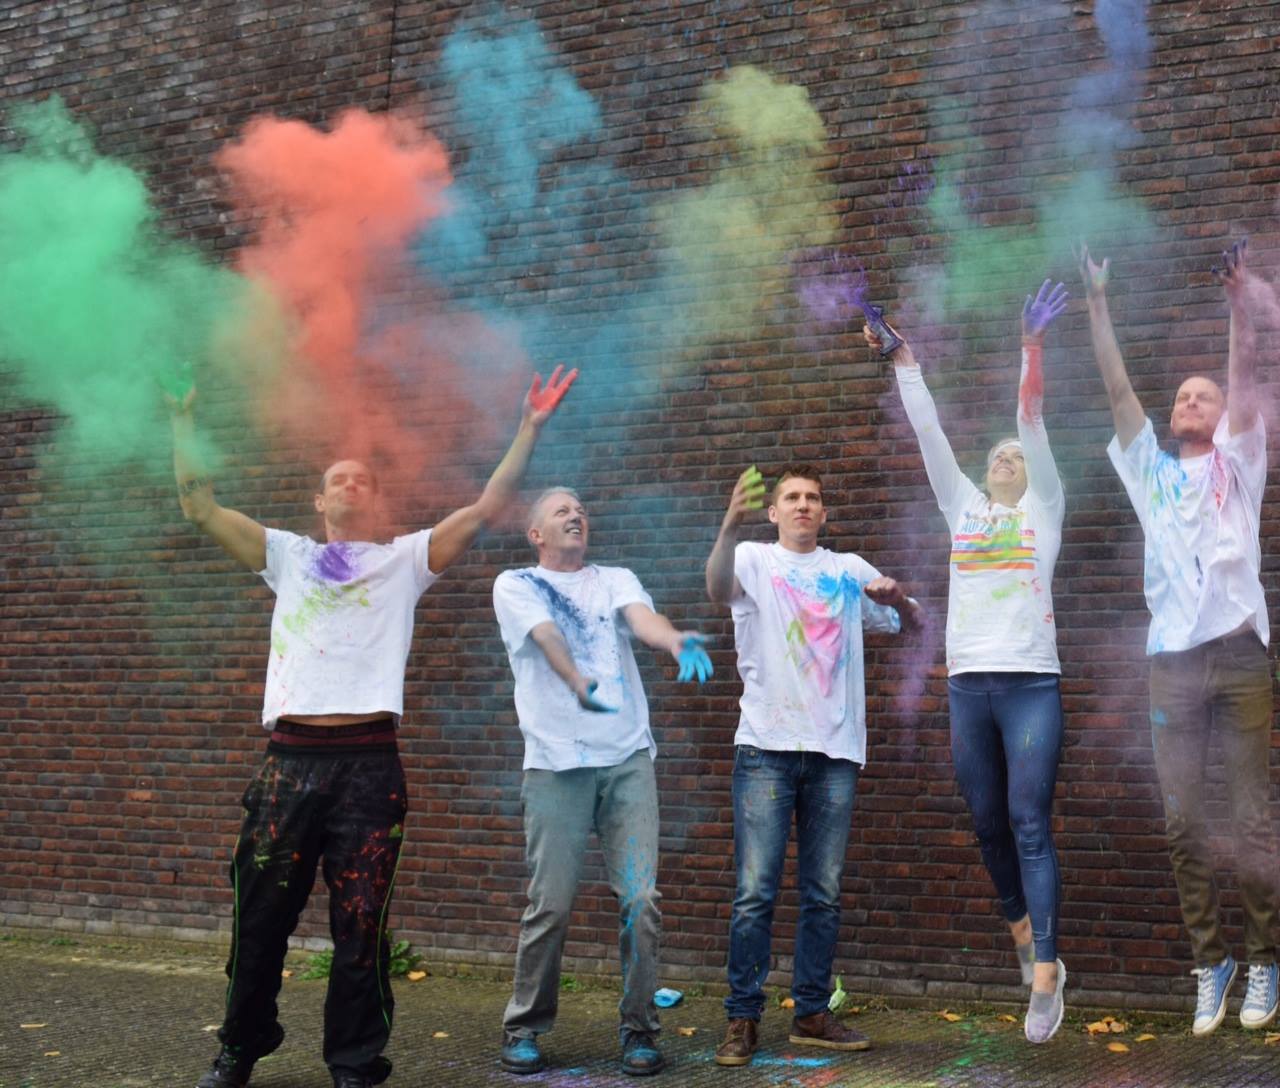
(1210, 673)
(331, 789)
(588, 765)
(799, 612)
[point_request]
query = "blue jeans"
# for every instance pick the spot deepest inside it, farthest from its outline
(1006, 739)
(767, 788)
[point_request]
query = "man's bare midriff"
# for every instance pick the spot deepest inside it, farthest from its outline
(337, 719)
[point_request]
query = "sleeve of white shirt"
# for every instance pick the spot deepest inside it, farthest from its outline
(1246, 453)
(1136, 465)
(419, 545)
(1042, 471)
(875, 617)
(748, 563)
(951, 487)
(278, 545)
(625, 589)
(519, 608)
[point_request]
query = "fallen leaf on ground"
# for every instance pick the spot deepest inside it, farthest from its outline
(1145, 1037)
(1098, 1027)
(439, 1035)
(1272, 1038)
(1117, 1048)
(286, 973)
(210, 1027)
(686, 1032)
(416, 976)
(1007, 1018)
(788, 1002)
(1117, 1027)
(53, 1053)
(33, 1025)
(950, 1017)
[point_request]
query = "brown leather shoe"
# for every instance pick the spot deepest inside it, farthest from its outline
(739, 1043)
(823, 1029)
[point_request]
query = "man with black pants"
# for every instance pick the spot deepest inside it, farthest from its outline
(331, 790)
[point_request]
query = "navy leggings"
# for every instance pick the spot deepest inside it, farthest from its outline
(1006, 737)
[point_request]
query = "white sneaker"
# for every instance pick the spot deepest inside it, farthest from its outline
(1211, 995)
(1262, 997)
(1044, 1014)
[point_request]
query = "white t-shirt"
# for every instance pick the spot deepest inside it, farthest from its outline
(1200, 517)
(342, 624)
(798, 626)
(1000, 597)
(585, 605)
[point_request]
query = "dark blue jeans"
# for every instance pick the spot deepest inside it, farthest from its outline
(1006, 738)
(768, 787)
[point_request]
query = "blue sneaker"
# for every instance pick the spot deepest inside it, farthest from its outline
(521, 1054)
(1211, 995)
(1262, 997)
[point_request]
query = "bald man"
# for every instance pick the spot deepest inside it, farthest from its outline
(331, 788)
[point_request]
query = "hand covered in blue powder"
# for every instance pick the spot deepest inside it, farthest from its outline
(1037, 314)
(692, 658)
(588, 701)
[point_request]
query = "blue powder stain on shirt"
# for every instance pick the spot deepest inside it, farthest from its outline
(574, 624)
(1158, 718)
(335, 562)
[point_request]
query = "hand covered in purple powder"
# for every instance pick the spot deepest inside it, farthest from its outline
(1038, 313)
(1233, 274)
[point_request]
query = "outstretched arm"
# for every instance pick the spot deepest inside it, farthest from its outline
(940, 465)
(1037, 314)
(239, 536)
(550, 641)
(1126, 409)
(456, 533)
(656, 631)
(1242, 354)
(748, 494)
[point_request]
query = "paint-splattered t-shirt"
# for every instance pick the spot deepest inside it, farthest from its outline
(342, 624)
(1000, 597)
(1200, 517)
(585, 605)
(798, 627)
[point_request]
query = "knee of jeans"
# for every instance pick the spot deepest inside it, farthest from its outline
(1031, 834)
(643, 902)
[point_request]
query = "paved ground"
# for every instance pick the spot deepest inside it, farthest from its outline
(127, 1014)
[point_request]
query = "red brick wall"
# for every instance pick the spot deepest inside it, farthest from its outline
(131, 671)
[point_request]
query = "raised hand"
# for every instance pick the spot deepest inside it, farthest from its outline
(588, 701)
(1038, 313)
(178, 387)
(748, 494)
(542, 401)
(1233, 274)
(901, 351)
(692, 658)
(1094, 275)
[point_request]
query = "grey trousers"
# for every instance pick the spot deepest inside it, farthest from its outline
(561, 808)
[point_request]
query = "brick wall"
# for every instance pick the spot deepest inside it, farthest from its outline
(131, 668)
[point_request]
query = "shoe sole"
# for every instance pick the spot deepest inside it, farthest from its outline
(806, 1040)
(721, 1060)
(647, 1071)
(522, 1070)
(1216, 1022)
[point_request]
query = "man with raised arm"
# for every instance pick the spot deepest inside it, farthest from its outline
(588, 765)
(331, 789)
(799, 612)
(1208, 637)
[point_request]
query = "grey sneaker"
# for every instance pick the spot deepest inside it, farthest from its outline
(1044, 1014)
(1214, 983)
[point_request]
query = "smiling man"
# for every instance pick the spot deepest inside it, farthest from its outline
(1207, 642)
(331, 789)
(799, 612)
(588, 765)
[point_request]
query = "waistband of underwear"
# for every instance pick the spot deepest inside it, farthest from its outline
(376, 734)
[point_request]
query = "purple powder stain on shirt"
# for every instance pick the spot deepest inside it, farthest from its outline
(335, 562)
